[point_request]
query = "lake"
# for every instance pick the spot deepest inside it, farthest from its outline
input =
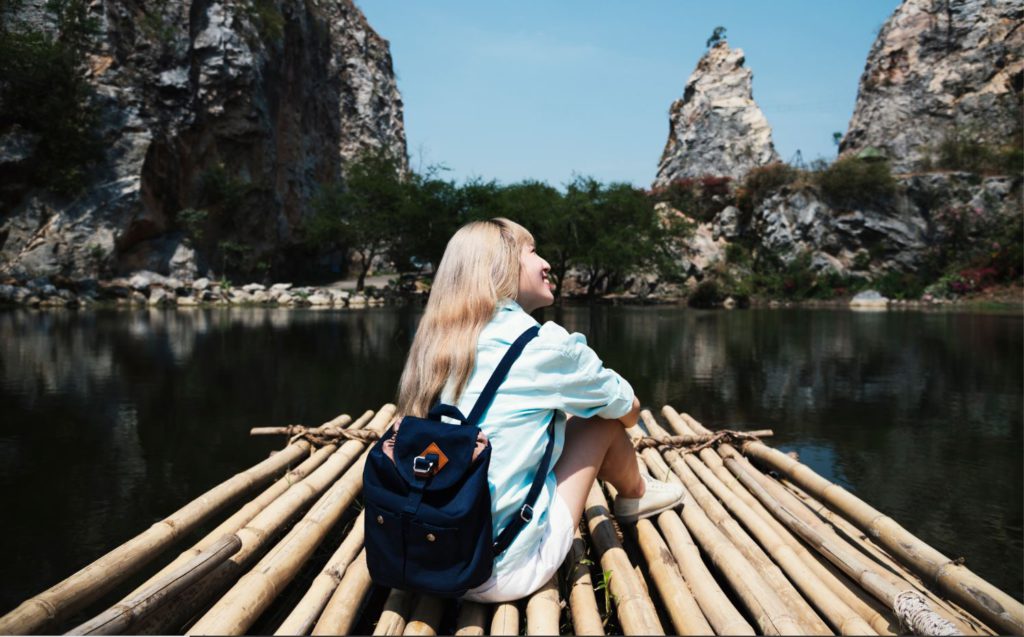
(110, 420)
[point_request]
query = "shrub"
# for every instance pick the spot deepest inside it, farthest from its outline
(777, 278)
(193, 221)
(43, 92)
(267, 18)
(762, 182)
(221, 190)
(901, 285)
(851, 182)
(737, 254)
(706, 295)
(973, 280)
(680, 194)
(960, 151)
(700, 199)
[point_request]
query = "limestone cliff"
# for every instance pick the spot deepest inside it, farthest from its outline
(231, 111)
(940, 68)
(716, 128)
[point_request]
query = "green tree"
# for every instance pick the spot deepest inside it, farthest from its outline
(716, 36)
(366, 212)
(433, 208)
(618, 231)
(478, 200)
(541, 209)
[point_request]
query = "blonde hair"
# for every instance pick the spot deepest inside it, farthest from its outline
(479, 268)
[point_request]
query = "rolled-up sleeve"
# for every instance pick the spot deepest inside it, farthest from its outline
(582, 385)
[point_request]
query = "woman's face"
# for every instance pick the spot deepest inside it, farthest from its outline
(534, 287)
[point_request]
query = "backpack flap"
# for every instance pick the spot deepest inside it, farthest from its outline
(433, 456)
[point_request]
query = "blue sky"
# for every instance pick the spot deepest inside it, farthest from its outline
(549, 90)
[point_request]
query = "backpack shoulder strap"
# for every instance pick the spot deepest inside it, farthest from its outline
(500, 372)
(525, 513)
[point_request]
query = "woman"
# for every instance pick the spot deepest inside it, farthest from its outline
(489, 280)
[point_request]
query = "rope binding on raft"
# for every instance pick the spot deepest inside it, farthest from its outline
(330, 435)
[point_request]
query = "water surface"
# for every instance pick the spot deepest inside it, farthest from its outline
(110, 420)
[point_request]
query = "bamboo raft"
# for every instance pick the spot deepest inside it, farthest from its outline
(762, 545)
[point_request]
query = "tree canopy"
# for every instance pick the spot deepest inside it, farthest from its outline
(604, 231)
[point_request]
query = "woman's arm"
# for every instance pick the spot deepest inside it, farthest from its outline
(634, 414)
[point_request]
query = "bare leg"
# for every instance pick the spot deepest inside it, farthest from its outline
(596, 448)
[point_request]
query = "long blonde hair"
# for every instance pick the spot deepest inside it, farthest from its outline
(479, 268)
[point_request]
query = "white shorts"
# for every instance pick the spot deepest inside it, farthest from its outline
(533, 570)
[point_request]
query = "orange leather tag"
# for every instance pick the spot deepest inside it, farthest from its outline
(442, 459)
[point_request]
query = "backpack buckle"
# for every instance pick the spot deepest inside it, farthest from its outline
(423, 466)
(526, 513)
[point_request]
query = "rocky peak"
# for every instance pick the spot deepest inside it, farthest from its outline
(716, 128)
(940, 68)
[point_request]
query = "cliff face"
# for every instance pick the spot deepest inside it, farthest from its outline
(940, 68)
(225, 115)
(716, 128)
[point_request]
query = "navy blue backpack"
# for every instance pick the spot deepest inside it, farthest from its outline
(428, 508)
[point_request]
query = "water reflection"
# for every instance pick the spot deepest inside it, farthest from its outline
(111, 420)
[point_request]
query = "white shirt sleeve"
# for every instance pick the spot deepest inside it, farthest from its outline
(579, 382)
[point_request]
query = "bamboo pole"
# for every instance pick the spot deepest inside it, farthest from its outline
(101, 576)
(425, 616)
(586, 619)
(769, 612)
(855, 537)
(505, 620)
(675, 593)
(252, 508)
(881, 619)
(336, 423)
(848, 560)
(472, 619)
(720, 612)
(758, 596)
(250, 596)
(543, 609)
(686, 467)
(120, 618)
(171, 613)
(960, 583)
(635, 610)
(312, 604)
(393, 617)
(795, 508)
(260, 531)
(841, 616)
(340, 612)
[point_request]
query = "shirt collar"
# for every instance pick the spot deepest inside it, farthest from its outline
(509, 304)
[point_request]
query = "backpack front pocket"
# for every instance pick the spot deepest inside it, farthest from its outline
(385, 545)
(437, 555)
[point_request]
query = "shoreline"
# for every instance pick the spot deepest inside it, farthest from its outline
(147, 289)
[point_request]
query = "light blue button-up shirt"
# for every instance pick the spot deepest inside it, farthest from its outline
(556, 371)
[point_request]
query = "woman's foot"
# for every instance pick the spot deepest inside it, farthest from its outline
(658, 496)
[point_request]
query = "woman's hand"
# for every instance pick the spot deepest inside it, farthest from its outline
(634, 414)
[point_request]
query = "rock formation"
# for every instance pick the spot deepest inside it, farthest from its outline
(233, 111)
(927, 212)
(716, 128)
(941, 68)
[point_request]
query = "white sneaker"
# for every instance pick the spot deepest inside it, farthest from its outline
(659, 496)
